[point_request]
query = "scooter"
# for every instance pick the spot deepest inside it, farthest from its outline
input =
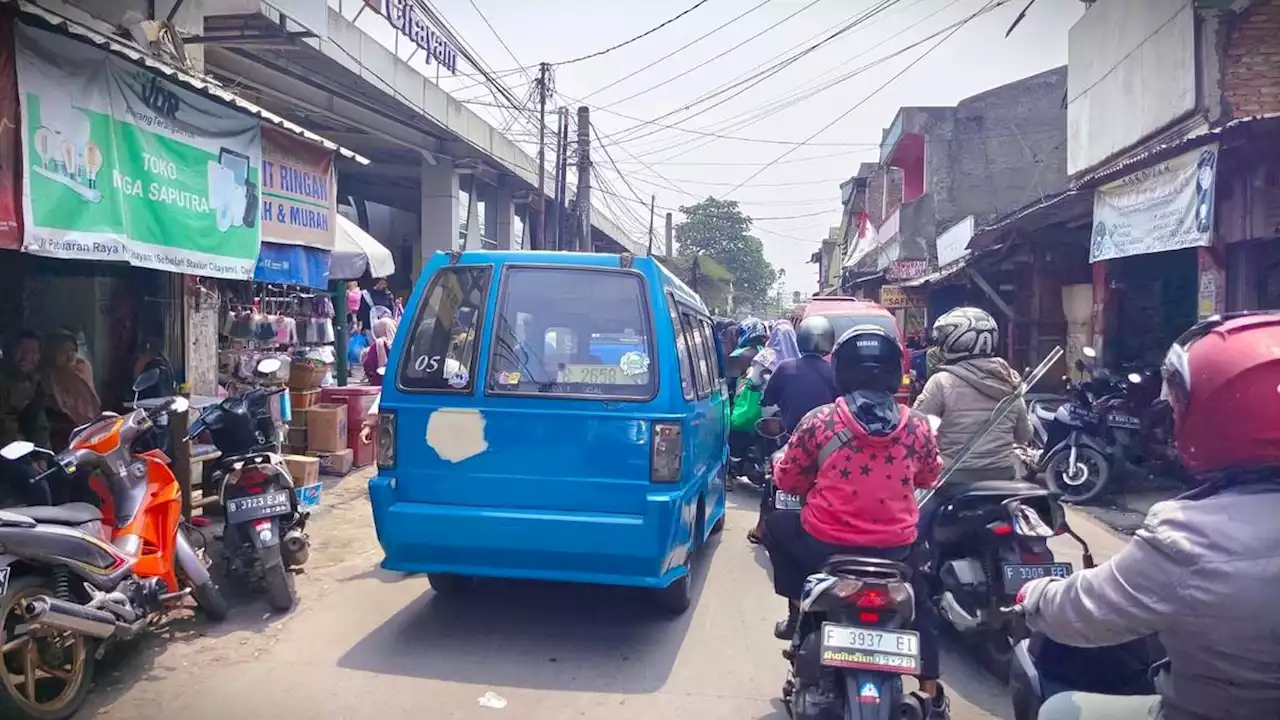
(265, 535)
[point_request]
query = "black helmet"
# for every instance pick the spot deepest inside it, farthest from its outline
(815, 336)
(867, 357)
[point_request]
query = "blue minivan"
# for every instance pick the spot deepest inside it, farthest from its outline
(552, 416)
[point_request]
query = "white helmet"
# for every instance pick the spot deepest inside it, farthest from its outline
(964, 333)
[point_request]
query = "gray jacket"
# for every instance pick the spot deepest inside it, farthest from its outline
(1204, 575)
(963, 395)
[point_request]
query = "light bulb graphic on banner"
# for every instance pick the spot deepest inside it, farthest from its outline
(70, 158)
(44, 146)
(92, 162)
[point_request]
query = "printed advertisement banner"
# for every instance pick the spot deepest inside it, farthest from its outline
(292, 265)
(120, 164)
(299, 197)
(1168, 206)
(10, 144)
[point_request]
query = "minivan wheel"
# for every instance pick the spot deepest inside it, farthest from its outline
(450, 585)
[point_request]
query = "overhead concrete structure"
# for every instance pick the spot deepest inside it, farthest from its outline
(427, 148)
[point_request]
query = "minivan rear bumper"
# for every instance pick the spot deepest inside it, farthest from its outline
(646, 550)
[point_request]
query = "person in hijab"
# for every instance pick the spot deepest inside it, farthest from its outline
(22, 417)
(73, 399)
(782, 340)
(375, 358)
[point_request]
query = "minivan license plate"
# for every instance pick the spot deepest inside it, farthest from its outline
(863, 648)
(254, 507)
(1015, 576)
(786, 501)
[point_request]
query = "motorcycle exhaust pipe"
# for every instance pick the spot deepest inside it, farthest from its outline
(296, 548)
(957, 615)
(70, 617)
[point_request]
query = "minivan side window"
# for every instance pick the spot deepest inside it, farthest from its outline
(702, 370)
(441, 351)
(682, 351)
(709, 336)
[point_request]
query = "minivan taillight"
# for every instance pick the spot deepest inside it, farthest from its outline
(667, 452)
(386, 439)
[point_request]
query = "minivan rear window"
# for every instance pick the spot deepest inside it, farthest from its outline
(842, 324)
(440, 353)
(572, 331)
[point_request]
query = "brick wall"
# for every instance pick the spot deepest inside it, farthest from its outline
(1251, 66)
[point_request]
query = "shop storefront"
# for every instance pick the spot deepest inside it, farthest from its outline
(1249, 223)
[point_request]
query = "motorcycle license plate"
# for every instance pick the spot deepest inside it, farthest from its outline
(255, 507)
(786, 501)
(1121, 420)
(1015, 576)
(861, 648)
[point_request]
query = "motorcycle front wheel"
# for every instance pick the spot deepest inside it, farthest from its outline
(42, 677)
(1082, 481)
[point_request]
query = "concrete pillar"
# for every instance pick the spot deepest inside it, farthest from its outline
(474, 240)
(504, 215)
(439, 215)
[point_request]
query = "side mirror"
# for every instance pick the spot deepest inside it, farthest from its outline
(146, 379)
(1089, 352)
(17, 450)
(269, 366)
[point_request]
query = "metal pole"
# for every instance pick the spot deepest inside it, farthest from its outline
(584, 178)
(558, 204)
(540, 204)
(653, 203)
(670, 250)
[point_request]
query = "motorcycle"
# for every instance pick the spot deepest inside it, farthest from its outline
(74, 579)
(265, 536)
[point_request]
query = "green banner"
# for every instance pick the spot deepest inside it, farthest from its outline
(122, 164)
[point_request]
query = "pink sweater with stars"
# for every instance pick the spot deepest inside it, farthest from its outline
(863, 496)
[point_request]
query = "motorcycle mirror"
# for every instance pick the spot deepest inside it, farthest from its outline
(17, 450)
(1135, 378)
(179, 404)
(1089, 352)
(269, 366)
(146, 379)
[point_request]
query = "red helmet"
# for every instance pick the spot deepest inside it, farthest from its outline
(1222, 380)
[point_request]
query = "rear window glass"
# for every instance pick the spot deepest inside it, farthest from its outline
(569, 331)
(842, 324)
(441, 350)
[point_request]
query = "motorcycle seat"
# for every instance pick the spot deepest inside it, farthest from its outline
(1008, 488)
(252, 458)
(853, 564)
(76, 513)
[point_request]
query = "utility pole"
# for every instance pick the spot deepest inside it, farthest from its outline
(670, 250)
(653, 203)
(559, 181)
(693, 275)
(543, 84)
(584, 178)
(562, 176)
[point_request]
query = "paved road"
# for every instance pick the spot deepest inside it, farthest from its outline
(369, 644)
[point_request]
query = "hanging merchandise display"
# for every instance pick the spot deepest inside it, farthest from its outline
(261, 320)
(124, 165)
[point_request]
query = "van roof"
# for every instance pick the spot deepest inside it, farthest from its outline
(843, 305)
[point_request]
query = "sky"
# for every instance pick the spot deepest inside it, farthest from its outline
(789, 184)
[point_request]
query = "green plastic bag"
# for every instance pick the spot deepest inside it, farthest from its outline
(746, 408)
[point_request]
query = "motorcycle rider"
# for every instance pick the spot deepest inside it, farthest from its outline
(1202, 572)
(963, 391)
(857, 461)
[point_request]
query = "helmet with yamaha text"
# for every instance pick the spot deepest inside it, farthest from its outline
(1222, 383)
(869, 358)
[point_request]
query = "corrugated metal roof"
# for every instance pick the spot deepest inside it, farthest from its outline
(173, 72)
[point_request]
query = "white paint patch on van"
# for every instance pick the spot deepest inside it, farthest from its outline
(456, 434)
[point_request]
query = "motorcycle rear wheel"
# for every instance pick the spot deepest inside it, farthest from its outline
(1091, 478)
(24, 701)
(282, 591)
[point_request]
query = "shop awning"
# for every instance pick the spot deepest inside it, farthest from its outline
(355, 251)
(175, 73)
(292, 265)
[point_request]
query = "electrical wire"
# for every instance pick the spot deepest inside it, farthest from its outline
(990, 4)
(641, 36)
(501, 42)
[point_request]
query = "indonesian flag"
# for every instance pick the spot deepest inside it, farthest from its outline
(863, 241)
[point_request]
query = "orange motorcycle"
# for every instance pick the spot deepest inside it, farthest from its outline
(141, 502)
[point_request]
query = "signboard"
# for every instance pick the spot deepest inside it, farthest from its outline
(409, 20)
(906, 270)
(954, 243)
(1168, 206)
(292, 265)
(299, 198)
(10, 144)
(120, 164)
(1207, 297)
(896, 297)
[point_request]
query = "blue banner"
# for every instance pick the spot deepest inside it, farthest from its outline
(292, 265)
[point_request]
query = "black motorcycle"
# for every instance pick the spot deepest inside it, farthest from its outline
(265, 536)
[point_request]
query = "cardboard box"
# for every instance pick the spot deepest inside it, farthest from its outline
(358, 398)
(362, 453)
(303, 399)
(327, 428)
(305, 470)
(335, 463)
